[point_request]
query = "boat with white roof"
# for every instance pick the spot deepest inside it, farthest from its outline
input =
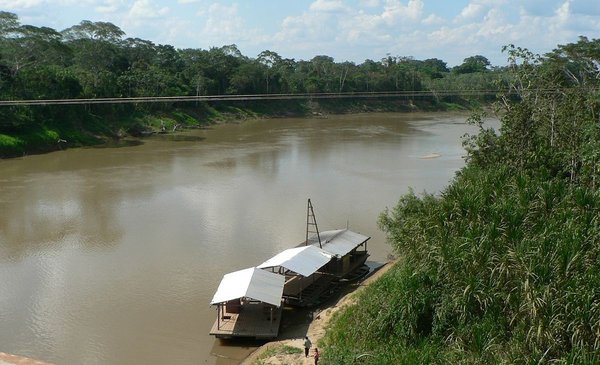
(250, 301)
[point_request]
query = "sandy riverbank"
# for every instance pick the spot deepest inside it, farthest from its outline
(9, 359)
(316, 329)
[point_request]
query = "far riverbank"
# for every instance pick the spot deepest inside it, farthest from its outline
(85, 126)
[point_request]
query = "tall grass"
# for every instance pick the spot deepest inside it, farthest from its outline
(502, 268)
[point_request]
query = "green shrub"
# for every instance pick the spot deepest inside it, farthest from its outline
(11, 145)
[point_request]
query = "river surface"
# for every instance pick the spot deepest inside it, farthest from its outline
(112, 255)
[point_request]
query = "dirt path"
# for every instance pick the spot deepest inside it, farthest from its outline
(316, 331)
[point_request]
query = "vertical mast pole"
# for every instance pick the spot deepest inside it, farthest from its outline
(311, 220)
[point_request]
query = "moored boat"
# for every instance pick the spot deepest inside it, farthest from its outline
(250, 301)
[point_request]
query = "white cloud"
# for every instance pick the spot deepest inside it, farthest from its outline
(564, 11)
(73, 3)
(351, 33)
(108, 6)
(394, 11)
(20, 4)
(470, 12)
(433, 19)
(222, 19)
(369, 3)
(395, 19)
(219, 25)
(106, 9)
(363, 29)
(327, 6)
(171, 30)
(494, 25)
(146, 9)
(306, 27)
(462, 36)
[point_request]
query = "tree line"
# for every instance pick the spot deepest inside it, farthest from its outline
(96, 60)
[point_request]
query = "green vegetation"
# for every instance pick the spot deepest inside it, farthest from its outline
(277, 350)
(95, 60)
(503, 267)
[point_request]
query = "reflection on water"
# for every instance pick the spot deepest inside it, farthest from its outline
(112, 255)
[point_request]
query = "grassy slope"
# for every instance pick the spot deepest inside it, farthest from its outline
(502, 268)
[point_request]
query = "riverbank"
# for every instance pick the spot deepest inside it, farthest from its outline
(291, 349)
(9, 359)
(79, 126)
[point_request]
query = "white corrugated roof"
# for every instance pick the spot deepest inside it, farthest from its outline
(250, 283)
(339, 242)
(303, 260)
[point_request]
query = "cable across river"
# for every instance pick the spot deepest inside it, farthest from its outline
(208, 98)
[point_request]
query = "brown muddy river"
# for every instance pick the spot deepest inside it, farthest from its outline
(112, 255)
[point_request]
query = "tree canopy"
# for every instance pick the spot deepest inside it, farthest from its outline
(106, 63)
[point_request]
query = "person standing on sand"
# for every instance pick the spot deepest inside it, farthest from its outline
(307, 345)
(316, 356)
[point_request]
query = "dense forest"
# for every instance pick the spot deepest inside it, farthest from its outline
(96, 60)
(503, 266)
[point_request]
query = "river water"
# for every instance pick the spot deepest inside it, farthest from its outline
(112, 255)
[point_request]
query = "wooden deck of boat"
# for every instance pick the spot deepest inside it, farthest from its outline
(253, 321)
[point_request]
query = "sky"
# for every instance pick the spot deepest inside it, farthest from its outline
(351, 30)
